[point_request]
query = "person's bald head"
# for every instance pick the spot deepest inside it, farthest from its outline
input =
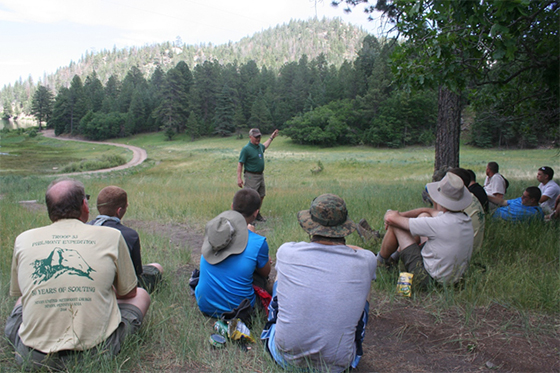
(66, 199)
(110, 199)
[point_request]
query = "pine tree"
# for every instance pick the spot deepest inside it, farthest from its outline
(260, 116)
(93, 90)
(193, 126)
(61, 112)
(225, 112)
(136, 115)
(134, 80)
(207, 80)
(7, 109)
(76, 104)
(112, 90)
(42, 105)
(173, 107)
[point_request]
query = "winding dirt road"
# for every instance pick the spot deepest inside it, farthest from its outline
(139, 155)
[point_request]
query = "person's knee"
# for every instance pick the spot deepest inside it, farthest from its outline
(143, 295)
(158, 266)
(404, 238)
(141, 300)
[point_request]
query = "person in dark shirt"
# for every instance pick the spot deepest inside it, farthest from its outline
(112, 203)
(478, 191)
(251, 162)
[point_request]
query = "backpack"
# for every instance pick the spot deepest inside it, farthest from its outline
(507, 182)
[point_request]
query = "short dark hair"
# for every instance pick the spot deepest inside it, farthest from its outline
(339, 240)
(440, 174)
(547, 171)
(472, 175)
(493, 166)
(66, 205)
(110, 199)
(534, 193)
(246, 201)
(463, 174)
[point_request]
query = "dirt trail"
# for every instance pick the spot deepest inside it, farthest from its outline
(139, 155)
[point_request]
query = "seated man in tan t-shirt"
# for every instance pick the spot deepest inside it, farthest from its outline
(76, 284)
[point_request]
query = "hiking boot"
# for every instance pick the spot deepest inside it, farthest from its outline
(365, 230)
(260, 218)
(389, 264)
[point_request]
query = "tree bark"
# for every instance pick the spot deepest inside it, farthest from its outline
(448, 129)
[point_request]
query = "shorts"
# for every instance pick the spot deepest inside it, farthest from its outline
(150, 278)
(412, 259)
(131, 320)
(255, 182)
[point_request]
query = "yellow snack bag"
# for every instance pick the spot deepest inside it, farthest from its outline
(237, 330)
(404, 285)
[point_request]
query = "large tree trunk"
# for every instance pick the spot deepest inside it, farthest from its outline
(448, 129)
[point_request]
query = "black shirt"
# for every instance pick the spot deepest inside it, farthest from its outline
(480, 193)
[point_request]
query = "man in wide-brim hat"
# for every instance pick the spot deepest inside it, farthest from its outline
(234, 258)
(321, 297)
(446, 234)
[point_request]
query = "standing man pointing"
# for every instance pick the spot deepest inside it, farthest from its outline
(251, 161)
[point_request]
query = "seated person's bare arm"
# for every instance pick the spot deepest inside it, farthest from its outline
(422, 210)
(395, 219)
(500, 201)
(265, 271)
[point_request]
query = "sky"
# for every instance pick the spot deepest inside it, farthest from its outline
(39, 36)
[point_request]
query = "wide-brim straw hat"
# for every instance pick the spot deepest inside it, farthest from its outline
(450, 193)
(225, 235)
(327, 217)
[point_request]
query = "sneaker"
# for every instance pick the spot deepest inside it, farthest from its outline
(260, 218)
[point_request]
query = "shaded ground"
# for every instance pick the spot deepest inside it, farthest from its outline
(403, 336)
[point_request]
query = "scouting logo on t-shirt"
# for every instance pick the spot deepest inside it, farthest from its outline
(59, 262)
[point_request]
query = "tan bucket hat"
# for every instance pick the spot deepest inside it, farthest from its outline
(225, 235)
(450, 192)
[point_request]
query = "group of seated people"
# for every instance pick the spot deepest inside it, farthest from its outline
(536, 203)
(82, 287)
(323, 280)
(89, 281)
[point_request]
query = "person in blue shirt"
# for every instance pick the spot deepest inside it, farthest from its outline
(524, 208)
(233, 257)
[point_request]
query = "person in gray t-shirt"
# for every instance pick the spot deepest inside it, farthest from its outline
(321, 297)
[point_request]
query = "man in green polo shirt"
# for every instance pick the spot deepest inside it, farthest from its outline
(251, 160)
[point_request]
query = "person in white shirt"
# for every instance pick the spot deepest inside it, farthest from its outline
(446, 234)
(549, 189)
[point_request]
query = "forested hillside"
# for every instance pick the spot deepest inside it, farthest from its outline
(320, 82)
(272, 48)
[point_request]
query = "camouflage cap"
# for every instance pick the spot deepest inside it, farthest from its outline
(327, 217)
(255, 132)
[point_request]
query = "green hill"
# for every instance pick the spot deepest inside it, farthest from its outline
(272, 48)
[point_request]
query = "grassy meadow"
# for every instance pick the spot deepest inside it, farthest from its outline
(185, 184)
(23, 155)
